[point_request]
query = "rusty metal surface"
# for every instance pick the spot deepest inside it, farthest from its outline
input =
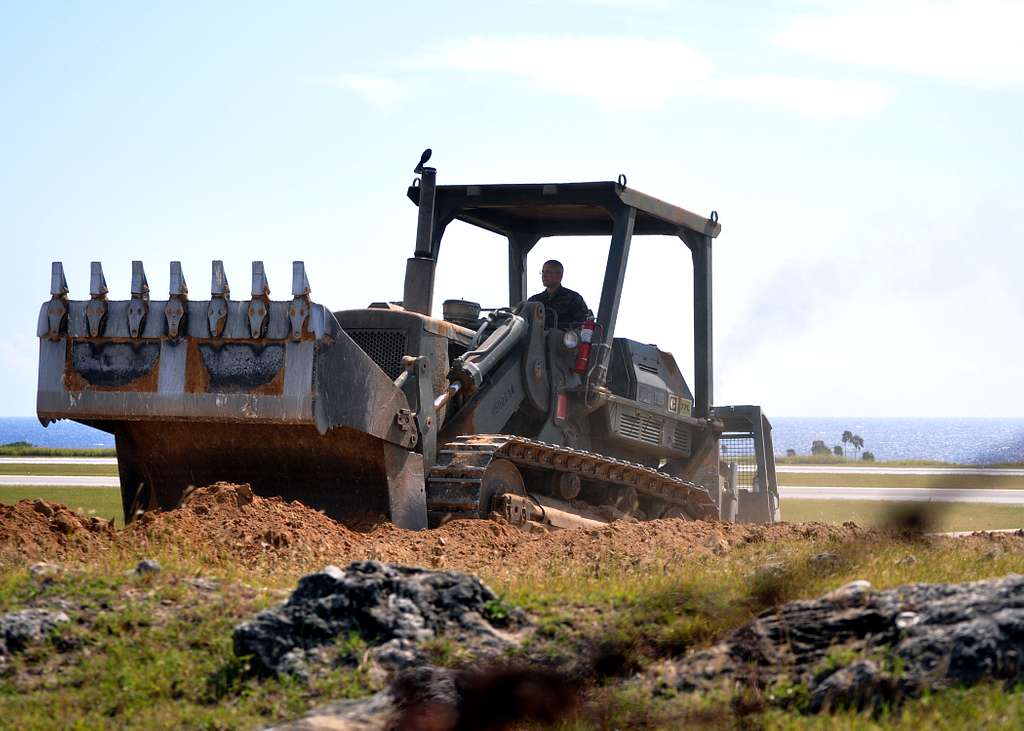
(162, 362)
(275, 395)
(112, 365)
(406, 497)
(340, 472)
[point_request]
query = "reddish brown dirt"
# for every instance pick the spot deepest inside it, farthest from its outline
(227, 523)
(36, 529)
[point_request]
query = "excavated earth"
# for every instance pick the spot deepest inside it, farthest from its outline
(927, 629)
(226, 521)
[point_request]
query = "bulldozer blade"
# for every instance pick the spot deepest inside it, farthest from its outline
(298, 411)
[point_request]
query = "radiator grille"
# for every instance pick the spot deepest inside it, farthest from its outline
(739, 448)
(681, 438)
(642, 427)
(385, 347)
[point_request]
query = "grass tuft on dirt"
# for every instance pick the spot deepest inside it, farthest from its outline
(155, 652)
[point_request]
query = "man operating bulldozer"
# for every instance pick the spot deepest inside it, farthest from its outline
(568, 307)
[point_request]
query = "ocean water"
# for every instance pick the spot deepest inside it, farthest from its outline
(968, 441)
(58, 434)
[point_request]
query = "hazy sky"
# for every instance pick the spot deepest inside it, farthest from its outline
(865, 160)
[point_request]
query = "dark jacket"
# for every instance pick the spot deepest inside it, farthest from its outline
(566, 304)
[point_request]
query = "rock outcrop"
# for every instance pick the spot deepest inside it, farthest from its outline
(18, 629)
(857, 646)
(393, 608)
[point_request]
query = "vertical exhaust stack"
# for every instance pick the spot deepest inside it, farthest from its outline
(419, 270)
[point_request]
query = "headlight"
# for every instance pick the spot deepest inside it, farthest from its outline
(571, 339)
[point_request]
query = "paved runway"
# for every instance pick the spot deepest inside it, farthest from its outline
(60, 480)
(805, 469)
(58, 460)
(843, 470)
(979, 495)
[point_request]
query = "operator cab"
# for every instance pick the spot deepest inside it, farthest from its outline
(525, 213)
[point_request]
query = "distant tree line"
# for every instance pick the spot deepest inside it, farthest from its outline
(855, 441)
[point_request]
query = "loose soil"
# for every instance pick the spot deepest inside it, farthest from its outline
(226, 522)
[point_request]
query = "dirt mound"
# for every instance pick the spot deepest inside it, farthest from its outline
(36, 529)
(228, 522)
(993, 542)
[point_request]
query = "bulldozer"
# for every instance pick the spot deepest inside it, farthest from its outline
(390, 410)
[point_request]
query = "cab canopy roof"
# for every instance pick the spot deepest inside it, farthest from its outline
(561, 209)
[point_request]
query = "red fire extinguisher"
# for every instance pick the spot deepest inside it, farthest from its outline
(583, 352)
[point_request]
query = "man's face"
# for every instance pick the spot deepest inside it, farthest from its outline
(550, 275)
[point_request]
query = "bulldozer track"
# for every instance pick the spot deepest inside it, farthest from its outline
(454, 483)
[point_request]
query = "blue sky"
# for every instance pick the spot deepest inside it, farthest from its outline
(864, 158)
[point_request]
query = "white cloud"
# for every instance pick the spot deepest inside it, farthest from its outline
(977, 43)
(638, 72)
(380, 90)
(614, 70)
(632, 4)
(816, 97)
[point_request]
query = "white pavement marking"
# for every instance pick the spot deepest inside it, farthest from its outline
(916, 494)
(58, 460)
(841, 469)
(59, 480)
(962, 533)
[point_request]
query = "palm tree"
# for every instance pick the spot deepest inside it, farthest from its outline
(847, 438)
(858, 442)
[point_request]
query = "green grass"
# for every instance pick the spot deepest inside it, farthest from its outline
(19, 449)
(848, 479)
(156, 653)
(147, 654)
(646, 616)
(874, 513)
(103, 502)
(987, 706)
(46, 468)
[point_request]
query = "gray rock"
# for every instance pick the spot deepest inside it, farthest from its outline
(44, 570)
(380, 602)
(397, 654)
(769, 572)
(145, 567)
(825, 562)
(860, 684)
(18, 629)
(204, 584)
(374, 713)
(939, 635)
